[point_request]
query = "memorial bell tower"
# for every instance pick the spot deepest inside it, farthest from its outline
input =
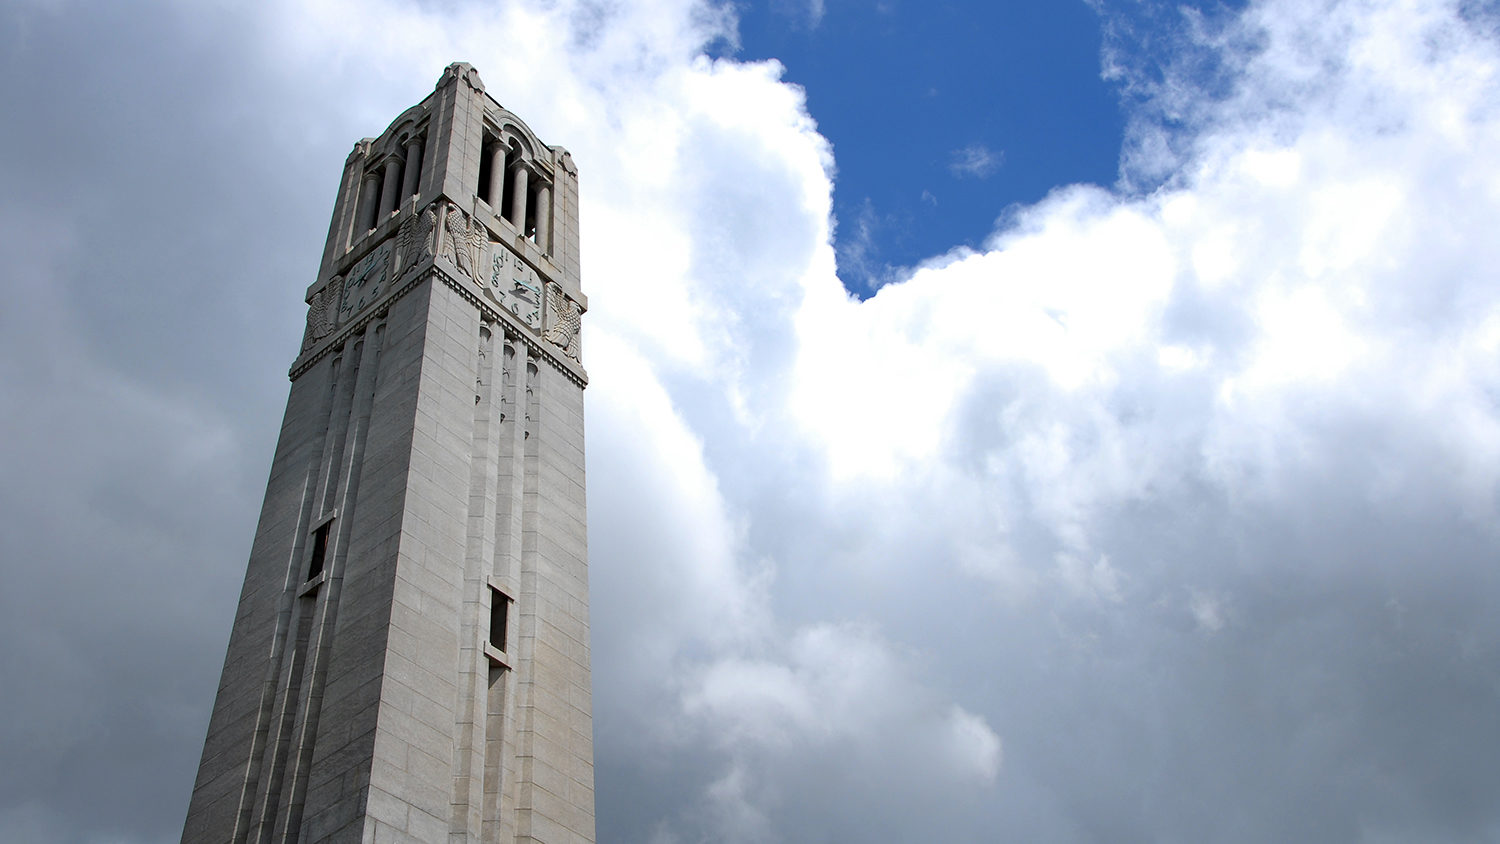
(410, 657)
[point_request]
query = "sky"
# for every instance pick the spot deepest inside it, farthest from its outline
(1061, 422)
(941, 115)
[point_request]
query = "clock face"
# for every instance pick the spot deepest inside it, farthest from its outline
(365, 282)
(518, 287)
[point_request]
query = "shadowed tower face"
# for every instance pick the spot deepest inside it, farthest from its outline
(410, 657)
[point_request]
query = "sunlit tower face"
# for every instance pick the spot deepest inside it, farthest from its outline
(410, 658)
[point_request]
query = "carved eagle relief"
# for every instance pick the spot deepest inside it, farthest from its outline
(322, 311)
(414, 240)
(565, 320)
(465, 240)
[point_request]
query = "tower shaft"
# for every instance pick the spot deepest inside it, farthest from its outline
(409, 660)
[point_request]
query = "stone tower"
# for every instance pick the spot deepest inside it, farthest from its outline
(410, 657)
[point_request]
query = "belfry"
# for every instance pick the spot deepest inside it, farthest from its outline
(410, 657)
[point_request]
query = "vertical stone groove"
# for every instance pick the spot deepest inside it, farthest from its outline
(499, 779)
(292, 663)
(326, 598)
(469, 726)
(269, 686)
(527, 601)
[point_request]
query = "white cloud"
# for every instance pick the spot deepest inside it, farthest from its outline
(835, 697)
(974, 161)
(839, 548)
(803, 13)
(1222, 338)
(974, 744)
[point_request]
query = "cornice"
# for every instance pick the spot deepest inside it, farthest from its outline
(426, 271)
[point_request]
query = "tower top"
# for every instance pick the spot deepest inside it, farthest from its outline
(459, 184)
(464, 71)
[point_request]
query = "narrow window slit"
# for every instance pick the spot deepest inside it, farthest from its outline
(499, 616)
(319, 550)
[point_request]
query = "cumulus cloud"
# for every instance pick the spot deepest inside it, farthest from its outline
(1182, 491)
(825, 703)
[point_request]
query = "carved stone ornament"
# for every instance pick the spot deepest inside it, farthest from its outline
(464, 241)
(414, 240)
(321, 312)
(564, 320)
(464, 71)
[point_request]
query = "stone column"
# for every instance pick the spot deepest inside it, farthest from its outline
(518, 198)
(544, 218)
(413, 180)
(369, 194)
(390, 196)
(497, 177)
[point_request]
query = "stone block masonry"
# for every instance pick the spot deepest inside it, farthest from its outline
(410, 656)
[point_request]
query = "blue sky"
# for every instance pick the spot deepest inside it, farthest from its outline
(942, 114)
(1153, 496)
